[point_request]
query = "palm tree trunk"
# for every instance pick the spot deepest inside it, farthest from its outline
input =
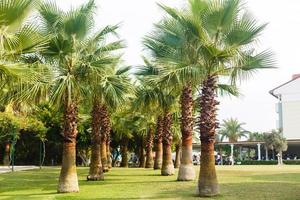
(142, 154)
(6, 160)
(178, 154)
(124, 152)
(167, 164)
(68, 181)
(105, 131)
(149, 146)
(109, 161)
(207, 183)
(104, 153)
(158, 143)
(186, 169)
(96, 171)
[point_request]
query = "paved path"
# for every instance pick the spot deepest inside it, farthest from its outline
(4, 169)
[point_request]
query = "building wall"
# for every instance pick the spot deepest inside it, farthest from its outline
(291, 119)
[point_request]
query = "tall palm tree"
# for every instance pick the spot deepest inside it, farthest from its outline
(103, 83)
(71, 33)
(224, 36)
(158, 143)
(172, 51)
(233, 130)
(176, 53)
(146, 103)
(176, 139)
(147, 98)
(108, 92)
(115, 89)
(165, 99)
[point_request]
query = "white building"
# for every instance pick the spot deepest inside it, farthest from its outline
(288, 107)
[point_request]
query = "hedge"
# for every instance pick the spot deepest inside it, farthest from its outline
(268, 162)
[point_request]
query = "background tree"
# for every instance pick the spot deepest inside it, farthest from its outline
(276, 141)
(232, 129)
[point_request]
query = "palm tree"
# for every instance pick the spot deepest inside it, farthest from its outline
(122, 124)
(172, 51)
(276, 141)
(146, 103)
(176, 139)
(110, 91)
(175, 52)
(255, 136)
(147, 98)
(66, 52)
(224, 36)
(158, 143)
(165, 99)
(149, 146)
(232, 129)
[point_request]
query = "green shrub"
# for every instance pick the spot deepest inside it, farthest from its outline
(291, 162)
(268, 162)
(258, 162)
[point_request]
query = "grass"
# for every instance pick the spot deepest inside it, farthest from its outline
(236, 182)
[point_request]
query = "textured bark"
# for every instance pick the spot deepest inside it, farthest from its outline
(109, 160)
(149, 146)
(158, 143)
(105, 135)
(178, 155)
(124, 152)
(96, 171)
(142, 160)
(186, 170)
(6, 160)
(104, 154)
(167, 164)
(208, 184)
(68, 181)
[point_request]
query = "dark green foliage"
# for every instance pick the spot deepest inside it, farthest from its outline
(269, 162)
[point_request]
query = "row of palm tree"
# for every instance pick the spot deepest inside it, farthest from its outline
(193, 55)
(195, 49)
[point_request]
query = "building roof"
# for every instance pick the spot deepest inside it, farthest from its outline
(273, 91)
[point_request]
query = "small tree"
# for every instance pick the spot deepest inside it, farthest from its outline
(9, 127)
(277, 142)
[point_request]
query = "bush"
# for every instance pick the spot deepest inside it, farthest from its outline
(291, 162)
(269, 162)
(259, 162)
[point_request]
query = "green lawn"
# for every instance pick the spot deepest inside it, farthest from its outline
(238, 182)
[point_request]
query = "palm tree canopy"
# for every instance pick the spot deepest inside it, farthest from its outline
(78, 56)
(275, 140)
(20, 44)
(208, 38)
(232, 129)
(255, 136)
